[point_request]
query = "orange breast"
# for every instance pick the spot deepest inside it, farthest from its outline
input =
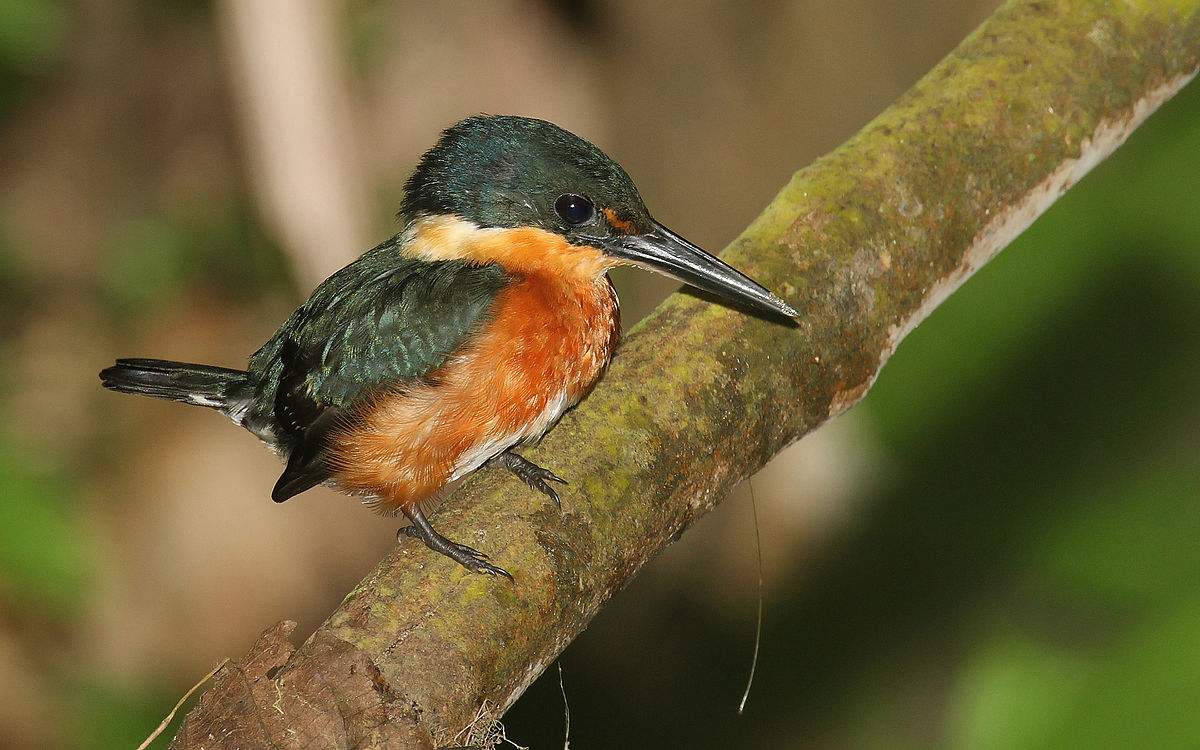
(549, 341)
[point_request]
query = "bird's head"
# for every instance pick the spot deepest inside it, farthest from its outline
(523, 181)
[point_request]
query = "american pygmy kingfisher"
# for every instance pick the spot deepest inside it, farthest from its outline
(464, 336)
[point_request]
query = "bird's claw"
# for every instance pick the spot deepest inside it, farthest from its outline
(466, 556)
(491, 570)
(414, 533)
(535, 477)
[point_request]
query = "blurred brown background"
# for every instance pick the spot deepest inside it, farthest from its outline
(997, 550)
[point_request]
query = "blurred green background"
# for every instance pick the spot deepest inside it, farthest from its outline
(997, 549)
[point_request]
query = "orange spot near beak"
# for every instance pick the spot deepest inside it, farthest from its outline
(617, 222)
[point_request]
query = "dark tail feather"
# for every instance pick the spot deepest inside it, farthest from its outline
(219, 388)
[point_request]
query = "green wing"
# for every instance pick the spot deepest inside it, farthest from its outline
(384, 321)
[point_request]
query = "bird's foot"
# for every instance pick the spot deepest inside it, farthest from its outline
(468, 557)
(530, 473)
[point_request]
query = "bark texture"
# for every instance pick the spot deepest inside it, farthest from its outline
(865, 243)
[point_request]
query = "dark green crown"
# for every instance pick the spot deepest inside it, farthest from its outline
(504, 171)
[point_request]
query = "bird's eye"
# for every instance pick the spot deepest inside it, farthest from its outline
(574, 209)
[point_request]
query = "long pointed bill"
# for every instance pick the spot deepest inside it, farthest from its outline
(666, 252)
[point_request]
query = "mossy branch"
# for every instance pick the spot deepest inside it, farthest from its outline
(865, 242)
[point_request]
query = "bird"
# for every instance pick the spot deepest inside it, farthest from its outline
(461, 338)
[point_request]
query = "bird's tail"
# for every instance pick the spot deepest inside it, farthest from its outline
(228, 391)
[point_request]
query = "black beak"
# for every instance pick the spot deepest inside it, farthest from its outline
(662, 250)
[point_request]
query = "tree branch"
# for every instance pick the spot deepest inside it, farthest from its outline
(865, 242)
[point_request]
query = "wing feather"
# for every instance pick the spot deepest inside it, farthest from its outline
(382, 323)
